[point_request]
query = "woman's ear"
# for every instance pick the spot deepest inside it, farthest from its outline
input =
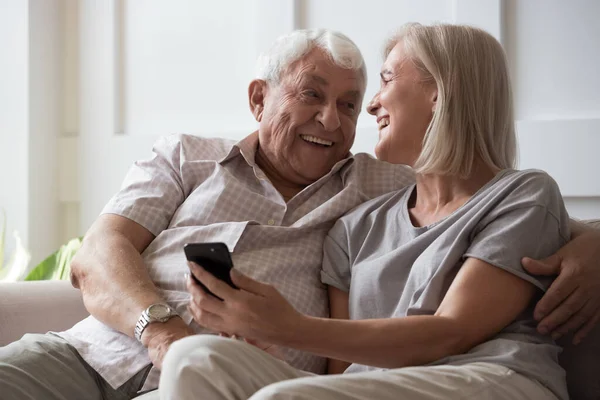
(256, 98)
(434, 97)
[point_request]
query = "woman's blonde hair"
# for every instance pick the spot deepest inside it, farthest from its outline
(474, 111)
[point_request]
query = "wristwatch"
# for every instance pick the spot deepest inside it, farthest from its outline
(159, 312)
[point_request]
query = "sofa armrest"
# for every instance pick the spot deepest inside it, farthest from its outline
(38, 307)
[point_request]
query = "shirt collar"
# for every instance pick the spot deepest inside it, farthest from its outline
(246, 147)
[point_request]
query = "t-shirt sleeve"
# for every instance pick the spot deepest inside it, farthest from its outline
(530, 222)
(336, 262)
(152, 189)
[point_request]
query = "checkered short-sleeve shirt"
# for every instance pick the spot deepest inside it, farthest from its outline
(210, 190)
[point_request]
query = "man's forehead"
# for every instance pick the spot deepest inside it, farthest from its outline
(326, 77)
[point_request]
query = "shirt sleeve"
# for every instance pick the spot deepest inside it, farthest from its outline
(153, 189)
(530, 222)
(336, 262)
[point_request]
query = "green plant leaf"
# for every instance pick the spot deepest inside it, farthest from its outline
(57, 266)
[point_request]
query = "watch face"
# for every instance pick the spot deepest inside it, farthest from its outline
(158, 311)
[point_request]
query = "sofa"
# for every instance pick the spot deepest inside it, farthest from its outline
(38, 307)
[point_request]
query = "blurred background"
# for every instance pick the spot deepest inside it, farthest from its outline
(86, 87)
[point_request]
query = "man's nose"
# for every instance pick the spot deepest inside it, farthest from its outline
(329, 118)
(373, 105)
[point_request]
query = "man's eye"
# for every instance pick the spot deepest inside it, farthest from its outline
(351, 106)
(312, 93)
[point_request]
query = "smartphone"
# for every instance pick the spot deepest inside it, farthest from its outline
(214, 258)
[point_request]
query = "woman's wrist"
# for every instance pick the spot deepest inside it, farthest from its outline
(303, 333)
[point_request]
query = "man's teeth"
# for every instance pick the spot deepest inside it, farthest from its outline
(314, 139)
(383, 123)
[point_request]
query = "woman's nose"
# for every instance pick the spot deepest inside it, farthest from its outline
(373, 105)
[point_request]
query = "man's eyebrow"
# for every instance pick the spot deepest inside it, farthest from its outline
(320, 80)
(355, 94)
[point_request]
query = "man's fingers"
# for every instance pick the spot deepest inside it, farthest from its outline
(547, 266)
(248, 284)
(559, 290)
(562, 313)
(574, 322)
(587, 328)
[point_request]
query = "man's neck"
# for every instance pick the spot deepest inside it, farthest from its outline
(286, 188)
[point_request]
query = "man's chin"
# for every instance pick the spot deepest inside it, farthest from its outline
(313, 173)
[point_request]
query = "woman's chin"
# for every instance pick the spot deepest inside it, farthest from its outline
(380, 151)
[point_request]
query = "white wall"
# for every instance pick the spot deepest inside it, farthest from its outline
(554, 50)
(31, 118)
(14, 123)
(45, 115)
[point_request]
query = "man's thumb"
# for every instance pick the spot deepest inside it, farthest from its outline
(547, 266)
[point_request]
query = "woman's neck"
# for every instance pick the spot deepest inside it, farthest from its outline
(437, 196)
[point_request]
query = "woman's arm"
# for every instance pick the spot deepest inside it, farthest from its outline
(481, 301)
(338, 306)
(475, 308)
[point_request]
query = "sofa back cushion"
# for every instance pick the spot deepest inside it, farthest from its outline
(582, 362)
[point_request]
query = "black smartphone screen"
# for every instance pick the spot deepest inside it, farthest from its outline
(214, 258)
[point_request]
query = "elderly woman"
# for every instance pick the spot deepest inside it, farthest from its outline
(427, 293)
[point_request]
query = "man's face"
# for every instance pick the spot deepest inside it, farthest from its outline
(309, 118)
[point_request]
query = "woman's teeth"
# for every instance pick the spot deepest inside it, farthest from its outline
(383, 122)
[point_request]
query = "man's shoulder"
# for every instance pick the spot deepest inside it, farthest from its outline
(376, 177)
(366, 162)
(193, 147)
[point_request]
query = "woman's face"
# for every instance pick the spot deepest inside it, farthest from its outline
(404, 107)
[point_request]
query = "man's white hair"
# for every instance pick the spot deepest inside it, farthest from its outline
(290, 48)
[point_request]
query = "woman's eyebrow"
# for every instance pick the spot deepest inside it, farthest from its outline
(385, 73)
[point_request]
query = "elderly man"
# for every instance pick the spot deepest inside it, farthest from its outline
(271, 198)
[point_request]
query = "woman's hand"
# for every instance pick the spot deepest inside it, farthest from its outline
(572, 303)
(271, 349)
(256, 311)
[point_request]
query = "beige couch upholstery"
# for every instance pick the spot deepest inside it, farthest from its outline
(38, 307)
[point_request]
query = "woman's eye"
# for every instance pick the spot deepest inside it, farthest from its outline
(312, 93)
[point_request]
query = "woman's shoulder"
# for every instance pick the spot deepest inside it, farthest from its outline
(530, 186)
(520, 192)
(374, 208)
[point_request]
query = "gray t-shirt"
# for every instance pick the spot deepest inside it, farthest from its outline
(392, 269)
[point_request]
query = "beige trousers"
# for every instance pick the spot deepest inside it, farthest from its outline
(208, 367)
(46, 367)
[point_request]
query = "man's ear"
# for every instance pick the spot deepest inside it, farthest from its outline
(257, 92)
